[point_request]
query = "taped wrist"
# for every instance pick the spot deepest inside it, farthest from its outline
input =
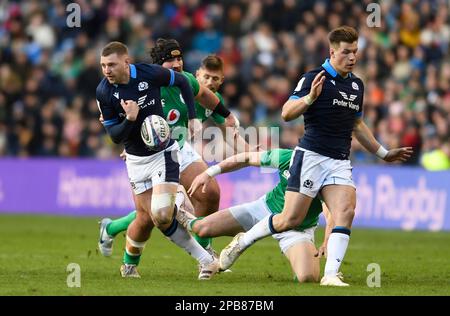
(221, 110)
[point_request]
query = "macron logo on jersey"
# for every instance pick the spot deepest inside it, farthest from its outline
(116, 94)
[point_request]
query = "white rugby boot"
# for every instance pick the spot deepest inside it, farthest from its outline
(208, 270)
(333, 280)
(105, 242)
(231, 252)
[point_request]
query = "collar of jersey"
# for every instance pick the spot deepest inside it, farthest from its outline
(327, 66)
(132, 71)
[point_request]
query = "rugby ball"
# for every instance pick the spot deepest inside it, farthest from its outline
(155, 132)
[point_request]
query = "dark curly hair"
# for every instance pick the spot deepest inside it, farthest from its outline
(165, 49)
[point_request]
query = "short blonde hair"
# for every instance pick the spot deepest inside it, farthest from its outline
(115, 48)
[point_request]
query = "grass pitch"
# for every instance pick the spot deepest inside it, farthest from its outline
(36, 250)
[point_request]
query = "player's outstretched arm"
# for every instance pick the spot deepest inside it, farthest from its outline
(209, 100)
(232, 163)
(182, 83)
(368, 141)
(293, 108)
(234, 139)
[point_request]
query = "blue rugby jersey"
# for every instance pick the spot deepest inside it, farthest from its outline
(329, 121)
(143, 88)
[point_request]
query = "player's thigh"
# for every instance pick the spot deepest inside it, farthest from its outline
(143, 201)
(188, 175)
(306, 172)
(339, 198)
(296, 207)
(221, 223)
(303, 262)
(143, 209)
(338, 189)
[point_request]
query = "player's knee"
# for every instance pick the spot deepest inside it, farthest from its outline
(162, 208)
(286, 223)
(162, 216)
(308, 278)
(348, 213)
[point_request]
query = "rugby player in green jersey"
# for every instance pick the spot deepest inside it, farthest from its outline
(297, 244)
(209, 78)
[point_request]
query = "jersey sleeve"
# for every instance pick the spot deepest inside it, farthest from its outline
(193, 82)
(218, 119)
(276, 158)
(110, 115)
(118, 128)
(303, 86)
(157, 75)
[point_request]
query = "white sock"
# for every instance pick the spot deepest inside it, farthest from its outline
(336, 248)
(257, 232)
(184, 240)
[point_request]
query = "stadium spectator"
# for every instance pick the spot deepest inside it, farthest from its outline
(405, 63)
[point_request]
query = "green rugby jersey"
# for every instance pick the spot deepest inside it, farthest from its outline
(175, 110)
(280, 159)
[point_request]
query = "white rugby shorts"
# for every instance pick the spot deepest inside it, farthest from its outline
(146, 172)
(309, 172)
(188, 155)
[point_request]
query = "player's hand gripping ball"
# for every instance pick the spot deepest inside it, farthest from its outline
(155, 132)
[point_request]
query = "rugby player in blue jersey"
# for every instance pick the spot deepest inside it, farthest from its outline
(331, 101)
(126, 96)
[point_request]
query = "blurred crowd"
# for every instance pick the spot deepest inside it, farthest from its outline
(49, 71)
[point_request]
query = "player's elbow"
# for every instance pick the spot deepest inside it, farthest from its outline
(288, 115)
(285, 115)
(116, 139)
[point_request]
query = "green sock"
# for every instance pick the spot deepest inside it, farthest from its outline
(120, 224)
(128, 259)
(203, 241)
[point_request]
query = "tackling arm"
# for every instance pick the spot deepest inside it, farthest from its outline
(232, 163)
(181, 82)
(237, 142)
(210, 101)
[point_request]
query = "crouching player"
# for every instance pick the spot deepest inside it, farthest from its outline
(297, 245)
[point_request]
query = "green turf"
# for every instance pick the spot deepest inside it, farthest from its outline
(35, 251)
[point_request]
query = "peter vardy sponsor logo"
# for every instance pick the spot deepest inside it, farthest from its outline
(347, 102)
